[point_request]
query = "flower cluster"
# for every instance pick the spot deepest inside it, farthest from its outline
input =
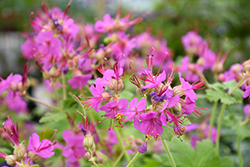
(24, 156)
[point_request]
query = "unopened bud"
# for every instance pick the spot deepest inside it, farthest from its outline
(113, 85)
(88, 142)
(11, 160)
(178, 91)
(138, 142)
(106, 96)
(20, 152)
(192, 68)
(33, 156)
(46, 75)
(218, 67)
(86, 156)
(221, 77)
(100, 159)
(246, 65)
(201, 61)
(133, 147)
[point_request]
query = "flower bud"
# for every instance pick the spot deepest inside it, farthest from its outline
(246, 65)
(20, 152)
(100, 159)
(33, 156)
(201, 61)
(11, 160)
(218, 67)
(106, 96)
(221, 77)
(133, 147)
(113, 85)
(138, 142)
(86, 156)
(46, 75)
(88, 142)
(178, 91)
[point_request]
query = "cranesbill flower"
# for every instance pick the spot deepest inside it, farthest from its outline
(5, 84)
(247, 109)
(247, 92)
(12, 131)
(79, 80)
(114, 109)
(48, 45)
(151, 124)
(99, 96)
(15, 102)
(43, 148)
(134, 111)
(74, 149)
(29, 48)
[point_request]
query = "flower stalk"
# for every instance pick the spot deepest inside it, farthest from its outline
(170, 157)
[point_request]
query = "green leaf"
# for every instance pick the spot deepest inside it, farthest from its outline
(216, 161)
(53, 117)
(167, 133)
(150, 163)
(54, 161)
(220, 91)
(243, 131)
(126, 94)
(5, 150)
(204, 151)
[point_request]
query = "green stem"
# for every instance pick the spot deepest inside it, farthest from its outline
(118, 159)
(212, 119)
(98, 133)
(170, 157)
(64, 87)
(37, 101)
(121, 144)
(133, 160)
(240, 83)
(200, 74)
(218, 128)
(239, 152)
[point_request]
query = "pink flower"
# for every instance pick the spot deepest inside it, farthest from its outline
(79, 80)
(5, 84)
(43, 148)
(191, 40)
(112, 108)
(95, 102)
(247, 109)
(74, 149)
(48, 45)
(151, 124)
(134, 111)
(247, 92)
(15, 102)
(29, 48)
(12, 131)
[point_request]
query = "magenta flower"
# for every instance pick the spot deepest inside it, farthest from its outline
(48, 45)
(12, 131)
(189, 92)
(70, 28)
(154, 81)
(43, 148)
(247, 109)
(5, 84)
(247, 92)
(191, 41)
(106, 25)
(29, 48)
(79, 80)
(134, 111)
(194, 139)
(95, 102)
(74, 149)
(112, 108)
(151, 124)
(15, 102)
